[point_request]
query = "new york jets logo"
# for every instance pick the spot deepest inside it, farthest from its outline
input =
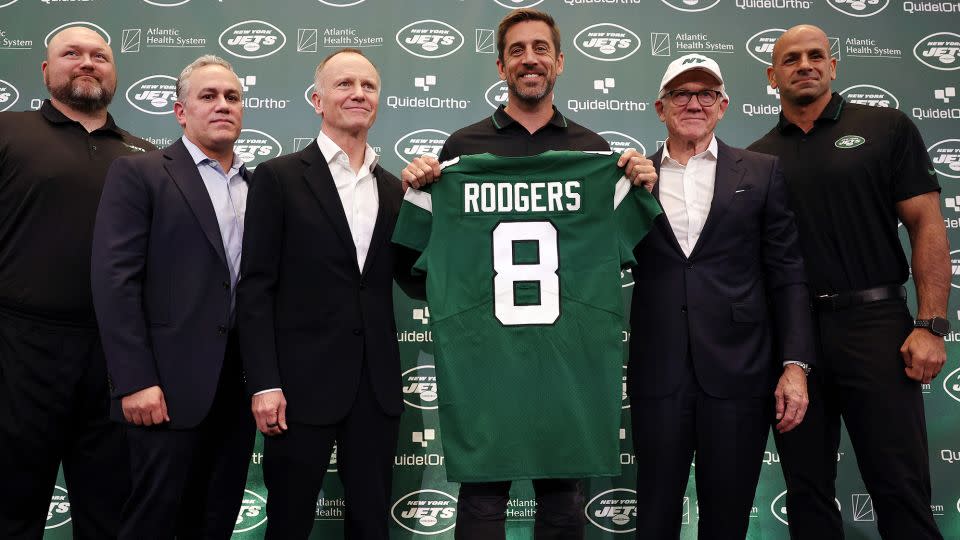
(858, 8)
(779, 507)
(9, 3)
(955, 268)
(420, 142)
(951, 383)
(496, 95)
(849, 141)
(867, 94)
(153, 95)
(252, 39)
(253, 512)
(614, 510)
(430, 39)
(85, 24)
(166, 3)
(420, 387)
(254, 147)
(939, 51)
(514, 4)
(8, 95)
(760, 45)
(427, 512)
(341, 3)
(58, 514)
(606, 42)
(691, 6)
(620, 142)
(945, 156)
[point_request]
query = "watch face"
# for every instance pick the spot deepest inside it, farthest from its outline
(940, 326)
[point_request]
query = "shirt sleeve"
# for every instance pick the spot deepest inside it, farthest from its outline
(913, 172)
(634, 210)
(414, 222)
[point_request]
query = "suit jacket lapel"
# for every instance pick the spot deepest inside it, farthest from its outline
(183, 171)
(727, 179)
(662, 221)
(380, 227)
(318, 177)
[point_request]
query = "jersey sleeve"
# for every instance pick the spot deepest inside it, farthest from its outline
(913, 171)
(414, 222)
(634, 210)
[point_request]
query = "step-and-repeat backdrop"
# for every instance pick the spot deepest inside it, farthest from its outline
(437, 58)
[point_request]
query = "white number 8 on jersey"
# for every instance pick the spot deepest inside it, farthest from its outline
(513, 280)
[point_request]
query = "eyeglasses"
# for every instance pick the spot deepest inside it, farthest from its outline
(706, 98)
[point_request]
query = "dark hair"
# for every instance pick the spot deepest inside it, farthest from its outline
(523, 15)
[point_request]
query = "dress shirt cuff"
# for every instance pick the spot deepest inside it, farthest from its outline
(267, 390)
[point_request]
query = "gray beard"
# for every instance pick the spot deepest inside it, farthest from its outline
(77, 99)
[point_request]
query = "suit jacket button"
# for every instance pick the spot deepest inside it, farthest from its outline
(358, 331)
(222, 330)
(689, 266)
(226, 285)
(683, 309)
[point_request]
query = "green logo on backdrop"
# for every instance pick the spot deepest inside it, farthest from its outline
(849, 141)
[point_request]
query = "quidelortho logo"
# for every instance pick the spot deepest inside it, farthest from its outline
(86, 24)
(58, 513)
(946, 157)
(166, 3)
(8, 95)
(770, 108)
(420, 142)
(603, 100)
(607, 42)
(253, 512)
(430, 39)
(691, 5)
(252, 39)
(420, 387)
(496, 95)
(939, 51)
(614, 510)
(254, 147)
(514, 4)
(621, 142)
(858, 8)
(154, 94)
(426, 512)
(760, 45)
(868, 94)
(341, 3)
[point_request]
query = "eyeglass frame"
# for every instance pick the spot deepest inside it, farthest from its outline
(673, 94)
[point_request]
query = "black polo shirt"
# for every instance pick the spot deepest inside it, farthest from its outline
(501, 135)
(844, 179)
(51, 176)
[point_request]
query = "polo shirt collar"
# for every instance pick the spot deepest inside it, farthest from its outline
(501, 119)
(830, 113)
(54, 116)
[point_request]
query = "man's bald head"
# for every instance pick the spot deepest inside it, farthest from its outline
(79, 71)
(800, 31)
(801, 67)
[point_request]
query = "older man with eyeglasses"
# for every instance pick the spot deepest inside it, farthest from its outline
(732, 342)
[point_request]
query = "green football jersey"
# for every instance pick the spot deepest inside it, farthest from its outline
(523, 259)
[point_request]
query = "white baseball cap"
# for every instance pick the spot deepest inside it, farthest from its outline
(686, 63)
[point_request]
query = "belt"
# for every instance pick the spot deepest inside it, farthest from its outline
(838, 301)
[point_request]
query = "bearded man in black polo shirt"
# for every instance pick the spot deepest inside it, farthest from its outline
(851, 171)
(53, 382)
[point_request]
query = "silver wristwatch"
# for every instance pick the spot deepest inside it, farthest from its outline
(803, 365)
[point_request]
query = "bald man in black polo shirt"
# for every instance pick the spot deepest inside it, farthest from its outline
(53, 382)
(851, 171)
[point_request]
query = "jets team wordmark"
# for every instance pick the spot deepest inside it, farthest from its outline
(512, 197)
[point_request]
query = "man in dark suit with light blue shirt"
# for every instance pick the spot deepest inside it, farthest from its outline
(730, 343)
(166, 261)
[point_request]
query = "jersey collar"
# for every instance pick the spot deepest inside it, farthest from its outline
(501, 119)
(830, 113)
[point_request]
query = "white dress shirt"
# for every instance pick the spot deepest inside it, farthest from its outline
(358, 192)
(686, 193)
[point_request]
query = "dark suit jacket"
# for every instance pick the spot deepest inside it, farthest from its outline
(738, 305)
(161, 283)
(309, 319)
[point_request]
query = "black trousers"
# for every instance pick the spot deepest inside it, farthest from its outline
(54, 406)
(482, 510)
(188, 483)
(295, 462)
(860, 378)
(727, 436)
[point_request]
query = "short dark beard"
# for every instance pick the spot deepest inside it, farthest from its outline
(73, 98)
(530, 100)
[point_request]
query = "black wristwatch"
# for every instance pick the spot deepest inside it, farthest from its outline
(937, 326)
